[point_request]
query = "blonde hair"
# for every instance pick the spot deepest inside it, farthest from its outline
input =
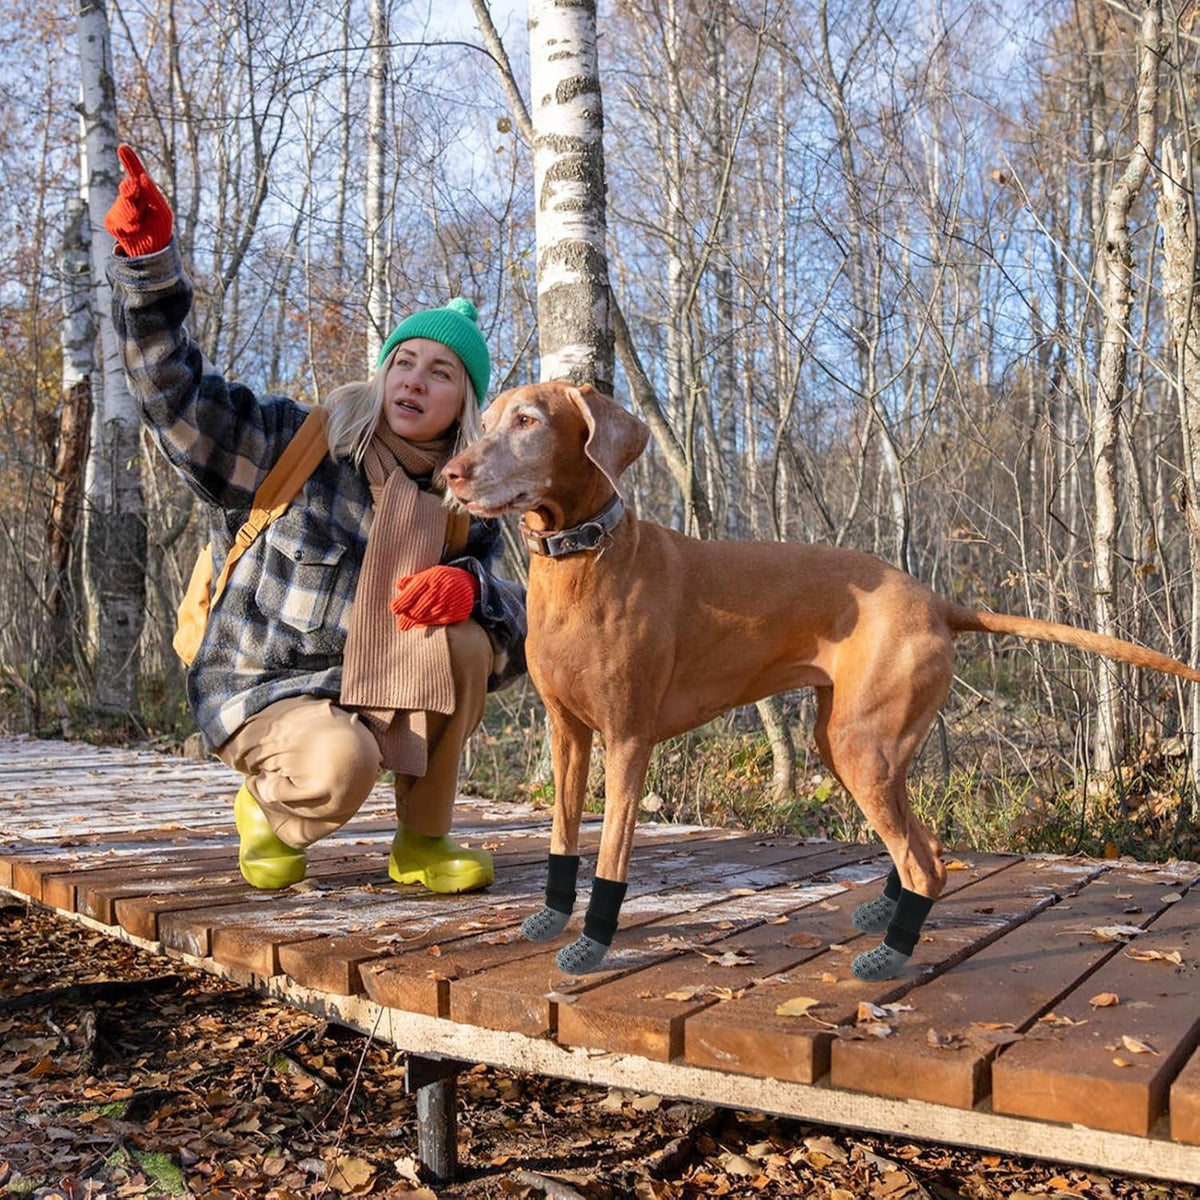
(354, 410)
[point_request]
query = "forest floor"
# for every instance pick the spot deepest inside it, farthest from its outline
(127, 1074)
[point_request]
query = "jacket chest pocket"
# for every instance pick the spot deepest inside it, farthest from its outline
(300, 573)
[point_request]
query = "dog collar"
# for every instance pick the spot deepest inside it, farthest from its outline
(585, 536)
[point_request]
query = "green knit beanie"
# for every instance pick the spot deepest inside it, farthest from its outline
(455, 326)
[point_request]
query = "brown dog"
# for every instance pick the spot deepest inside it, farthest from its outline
(641, 633)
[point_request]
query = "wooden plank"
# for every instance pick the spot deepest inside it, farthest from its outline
(1185, 1103)
(138, 910)
(251, 943)
(1088, 1073)
(33, 866)
(746, 1034)
(335, 963)
(942, 1050)
(684, 877)
(644, 1013)
(93, 890)
(254, 940)
(656, 925)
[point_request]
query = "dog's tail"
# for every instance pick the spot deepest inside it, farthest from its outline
(976, 620)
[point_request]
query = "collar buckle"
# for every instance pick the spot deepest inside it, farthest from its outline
(587, 535)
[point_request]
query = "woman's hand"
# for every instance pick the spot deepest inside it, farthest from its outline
(436, 596)
(140, 219)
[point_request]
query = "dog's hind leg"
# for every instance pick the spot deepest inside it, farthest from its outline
(872, 916)
(625, 763)
(571, 747)
(915, 855)
(872, 762)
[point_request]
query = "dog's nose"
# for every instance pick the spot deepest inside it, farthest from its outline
(456, 471)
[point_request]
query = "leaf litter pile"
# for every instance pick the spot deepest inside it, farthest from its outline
(126, 1074)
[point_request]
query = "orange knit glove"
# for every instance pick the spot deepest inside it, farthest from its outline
(140, 218)
(436, 596)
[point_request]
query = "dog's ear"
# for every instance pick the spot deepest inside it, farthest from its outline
(615, 437)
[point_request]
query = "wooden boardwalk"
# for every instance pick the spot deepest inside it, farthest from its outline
(1052, 1008)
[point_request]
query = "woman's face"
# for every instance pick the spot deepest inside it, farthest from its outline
(424, 389)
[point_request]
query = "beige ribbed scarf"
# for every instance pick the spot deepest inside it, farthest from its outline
(394, 677)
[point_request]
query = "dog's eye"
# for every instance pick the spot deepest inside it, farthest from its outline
(523, 421)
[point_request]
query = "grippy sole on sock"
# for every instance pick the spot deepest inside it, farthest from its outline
(581, 956)
(874, 966)
(545, 925)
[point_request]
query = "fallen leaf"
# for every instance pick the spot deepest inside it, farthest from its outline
(1171, 956)
(1113, 933)
(731, 958)
(1104, 1000)
(349, 1174)
(798, 1006)
(1053, 1019)
(869, 1012)
(1134, 1046)
(1120, 1062)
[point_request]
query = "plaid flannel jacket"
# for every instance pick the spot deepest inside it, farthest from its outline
(279, 629)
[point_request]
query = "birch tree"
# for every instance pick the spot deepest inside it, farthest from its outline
(75, 413)
(1181, 293)
(1117, 301)
(378, 306)
(114, 514)
(575, 328)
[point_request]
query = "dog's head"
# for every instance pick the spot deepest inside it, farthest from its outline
(536, 445)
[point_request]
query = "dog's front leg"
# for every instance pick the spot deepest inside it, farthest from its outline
(625, 763)
(571, 749)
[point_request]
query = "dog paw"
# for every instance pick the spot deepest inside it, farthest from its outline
(873, 966)
(875, 915)
(581, 956)
(544, 925)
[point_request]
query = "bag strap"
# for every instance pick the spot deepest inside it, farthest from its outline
(458, 529)
(276, 492)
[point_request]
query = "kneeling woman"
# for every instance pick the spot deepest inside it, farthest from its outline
(364, 628)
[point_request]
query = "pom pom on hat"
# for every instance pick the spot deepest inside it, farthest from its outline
(455, 326)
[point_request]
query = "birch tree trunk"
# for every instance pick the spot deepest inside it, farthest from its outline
(1117, 301)
(575, 327)
(114, 512)
(75, 416)
(378, 307)
(1181, 294)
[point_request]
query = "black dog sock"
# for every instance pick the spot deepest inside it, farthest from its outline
(903, 933)
(599, 927)
(876, 915)
(561, 873)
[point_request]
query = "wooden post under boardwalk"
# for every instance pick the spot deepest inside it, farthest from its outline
(435, 1080)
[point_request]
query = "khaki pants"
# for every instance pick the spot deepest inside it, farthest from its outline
(310, 764)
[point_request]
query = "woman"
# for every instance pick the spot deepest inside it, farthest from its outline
(363, 628)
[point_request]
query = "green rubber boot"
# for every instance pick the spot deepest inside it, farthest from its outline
(265, 861)
(440, 863)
